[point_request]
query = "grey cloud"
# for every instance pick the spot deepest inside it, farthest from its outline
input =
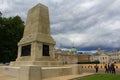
(92, 24)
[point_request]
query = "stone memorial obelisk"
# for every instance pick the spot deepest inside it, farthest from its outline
(37, 45)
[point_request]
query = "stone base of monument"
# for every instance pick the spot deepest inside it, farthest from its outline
(37, 63)
(38, 72)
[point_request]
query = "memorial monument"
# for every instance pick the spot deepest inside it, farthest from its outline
(36, 58)
(37, 45)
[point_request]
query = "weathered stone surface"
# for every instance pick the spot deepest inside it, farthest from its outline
(37, 26)
(37, 45)
(30, 73)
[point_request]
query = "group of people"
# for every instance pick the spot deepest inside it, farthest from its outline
(109, 68)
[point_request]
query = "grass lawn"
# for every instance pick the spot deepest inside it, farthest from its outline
(101, 77)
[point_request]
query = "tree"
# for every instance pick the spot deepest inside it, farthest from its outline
(11, 30)
(0, 14)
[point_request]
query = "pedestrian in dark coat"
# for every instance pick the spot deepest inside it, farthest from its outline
(96, 68)
(106, 68)
(113, 68)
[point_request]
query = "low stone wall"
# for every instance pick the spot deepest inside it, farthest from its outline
(1, 69)
(10, 71)
(39, 73)
(55, 71)
(2, 64)
(48, 72)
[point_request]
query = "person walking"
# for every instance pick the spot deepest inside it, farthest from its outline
(96, 68)
(106, 68)
(109, 68)
(113, 68)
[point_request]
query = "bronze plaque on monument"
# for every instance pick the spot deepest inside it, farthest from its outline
(26, 50)
(46, 50)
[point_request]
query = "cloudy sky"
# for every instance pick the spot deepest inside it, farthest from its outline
(85, 24)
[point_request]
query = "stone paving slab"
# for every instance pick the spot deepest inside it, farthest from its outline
(68, 77)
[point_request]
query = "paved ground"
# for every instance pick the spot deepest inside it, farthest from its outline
(85, 72)
(68, 77)
(7, 78)
(99, 71)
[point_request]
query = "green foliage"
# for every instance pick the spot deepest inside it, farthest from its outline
(101, 77)
(95, 62)
(11, 30)
(0, 14)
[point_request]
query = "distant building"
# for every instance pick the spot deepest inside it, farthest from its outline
(94, 57)
(66, 56)
(83, 58)
(106, 57)
(70, 56)
(115, 56)
(100, 56)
